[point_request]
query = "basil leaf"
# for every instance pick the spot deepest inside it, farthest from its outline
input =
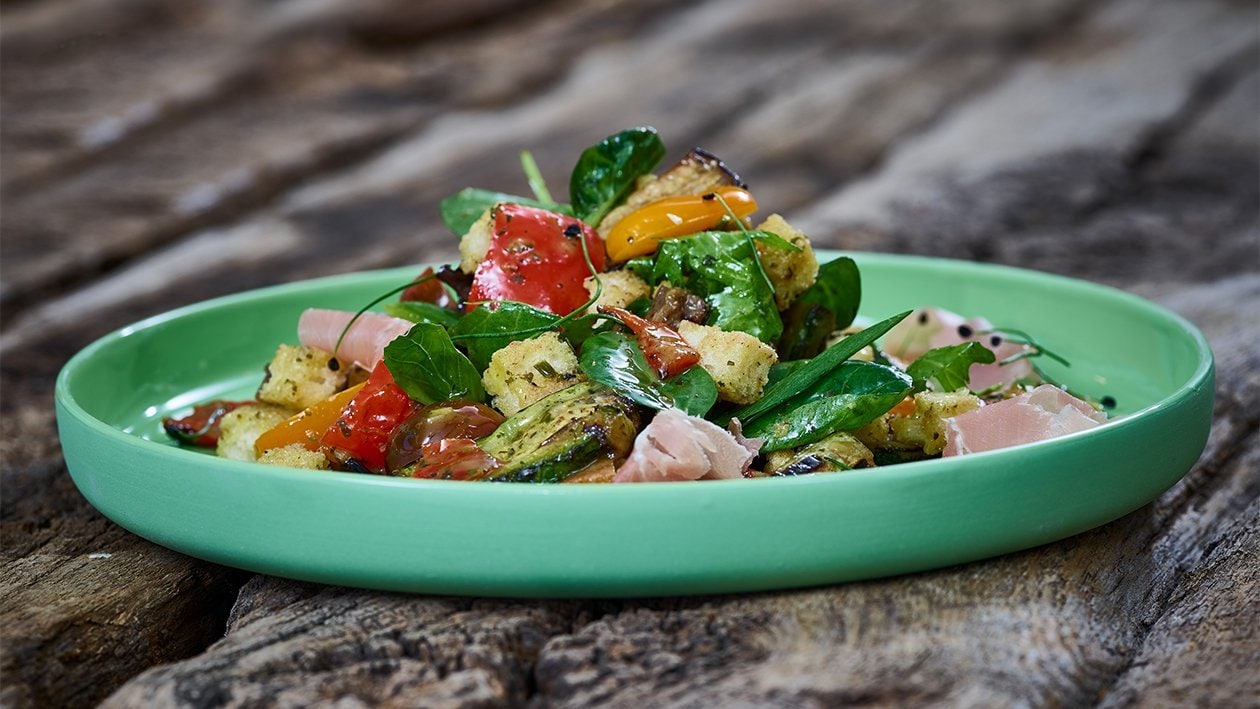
(418, 311)
(838, 289)
(719, 266)
(492, 326)
(615, 360)
(948, 367)
(802, 378)
(426, 365)
(607, 171)
(461, 209)
(851, 396)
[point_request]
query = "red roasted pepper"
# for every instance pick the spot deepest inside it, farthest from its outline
(535, 257)
(666, 351)
(359, 438)
(201, 427)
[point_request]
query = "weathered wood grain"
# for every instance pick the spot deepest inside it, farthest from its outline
(170, 153)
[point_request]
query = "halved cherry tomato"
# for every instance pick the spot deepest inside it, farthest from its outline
(201, 427)
(360, 435)
(535, 257)
(454, 459)
(664, 348)
(306, 427)
(426, 432)
(642, 230)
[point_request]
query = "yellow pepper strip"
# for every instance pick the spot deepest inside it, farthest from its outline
(640, 232)
(307, 426)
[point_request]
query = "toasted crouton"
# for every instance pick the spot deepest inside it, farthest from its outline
(791, 272)
(924, 428)
(696, 173)
(300, 377)
(839, 451)
(621, 288)
(295, 455)
(474, 245)
(738, 362)
(524, 372)
(242, 426)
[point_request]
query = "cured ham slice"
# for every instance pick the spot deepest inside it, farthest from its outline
(364, 344)
(677, 447)
(1045, 412)
(928, 328)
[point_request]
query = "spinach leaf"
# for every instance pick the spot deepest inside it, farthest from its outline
(806, 327)
(426, 365)
(808, 375)
(615, 360)
(851, 396)
(719, 266)
(780, 370)
(949, 367)
(418, 311)
(641, 266)
(606, 171)
(838, 289)
(775, 241)
(461, 209)
(492, 326)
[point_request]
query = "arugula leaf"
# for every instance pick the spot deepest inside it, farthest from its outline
(426, 365)
(838, 289)
(491, 327)
(719, 266)
(461, 209)
(606, 171)
(418, 311)
(615, 360)
(775, 241)
(849, 397)
(808, 375)
(949, 367)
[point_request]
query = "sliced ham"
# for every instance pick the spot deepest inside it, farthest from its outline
(364, 344)
(1044, 412)
(676, 447)
(928, 328)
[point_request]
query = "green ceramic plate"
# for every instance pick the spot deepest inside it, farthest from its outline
(644, 539)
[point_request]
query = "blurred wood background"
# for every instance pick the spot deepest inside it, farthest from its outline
(156, 153)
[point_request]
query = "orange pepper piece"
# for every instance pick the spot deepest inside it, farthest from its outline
(307, 426)
(641, 231)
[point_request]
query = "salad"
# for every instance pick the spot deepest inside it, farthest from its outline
(649, 329)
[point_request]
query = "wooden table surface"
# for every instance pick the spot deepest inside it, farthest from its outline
(158, 152)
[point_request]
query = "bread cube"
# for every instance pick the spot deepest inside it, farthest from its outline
(300, 377)
(295, 455)
(791, 272)
(240, 427)
(738, 362)
(474, 245)
(621, 288)
(924, 428)
(528, 370)
(839, 451)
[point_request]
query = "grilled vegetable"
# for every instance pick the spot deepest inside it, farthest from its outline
(562, 435)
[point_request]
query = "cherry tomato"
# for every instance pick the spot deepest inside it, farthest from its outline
(418, 439)
(666, 351)
(642, 230)
(535, 257)
(454, 459)
(360, 436)
(306, 427)
(201, 427)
